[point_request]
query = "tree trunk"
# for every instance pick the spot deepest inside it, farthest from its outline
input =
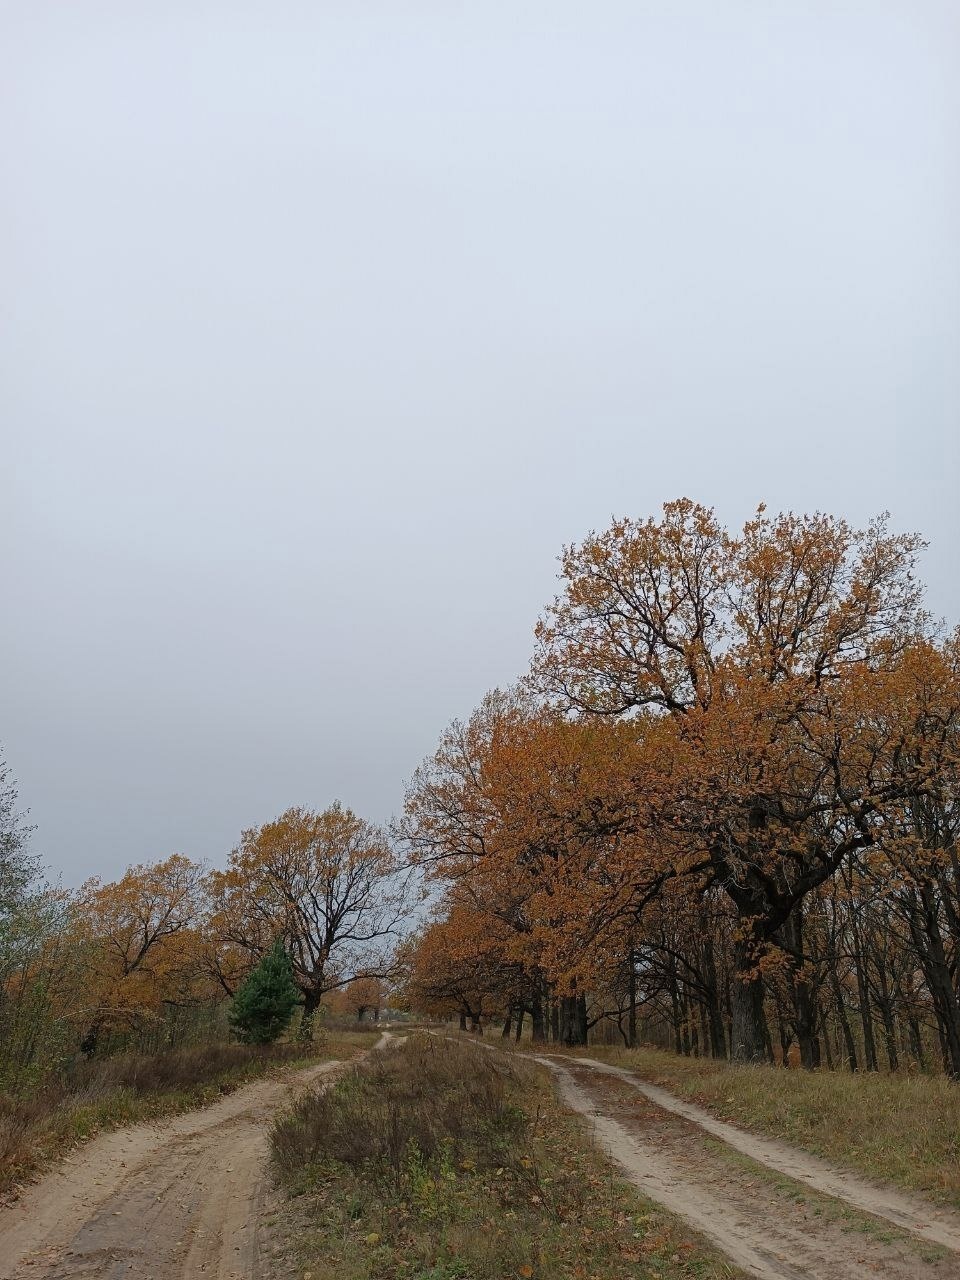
(632, 992)
(916, 1041)
(866, 1017)
(826, 1047)
(807, 1037)
(718, 1045)
(889, 1030)
(520, 1016)
(563, 1020)
(786, 1039)
(863, 995)
(748, 1031)
(684, 1024)
(675, 1012)
(507, 1025)
(311, 1003)
(842, 1018)
(767, 1039)
(463, 1021)
(928, 940)
(573, 1020)
(804, 1001)
(944, 1046)
(539, 1029)
(704, 1029)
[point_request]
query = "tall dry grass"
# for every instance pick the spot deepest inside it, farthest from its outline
(91, 1096)
(421, 1105)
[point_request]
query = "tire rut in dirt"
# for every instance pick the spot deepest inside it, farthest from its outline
(146, 1227)
(935, 1223)
(179, 1200)
(769, 1228)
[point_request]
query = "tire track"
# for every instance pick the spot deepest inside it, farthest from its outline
(761, 1225)
(171, 1201)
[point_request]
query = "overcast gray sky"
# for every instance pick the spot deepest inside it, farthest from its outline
(324, 325)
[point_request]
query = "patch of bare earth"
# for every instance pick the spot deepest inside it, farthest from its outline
(765, 1223)
(177, 1200)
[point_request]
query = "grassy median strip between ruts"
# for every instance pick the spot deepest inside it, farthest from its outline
(434, 1160)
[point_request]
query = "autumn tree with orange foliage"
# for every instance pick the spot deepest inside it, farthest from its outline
(141, 946)
(755, 657)
(362, 996)
(329, 884)
(533, 818)
(460, 965)
(916, 868)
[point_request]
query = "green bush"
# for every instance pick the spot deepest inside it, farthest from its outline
(264, 1004)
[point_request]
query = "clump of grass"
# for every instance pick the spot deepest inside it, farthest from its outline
(175, 1070)
(903, 1129)
(432, 1097)
(440, 1161)
(21, 1119)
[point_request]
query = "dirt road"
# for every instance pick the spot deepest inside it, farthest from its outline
(176, 1200)
(746, 1194)
(185, 1199)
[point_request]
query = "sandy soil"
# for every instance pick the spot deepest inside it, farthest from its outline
(177, 1199)
(756, 1213)
(922, 1218)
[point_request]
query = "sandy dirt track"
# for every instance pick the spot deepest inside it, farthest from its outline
(175, 1200)
(763, 1221)
(921, 1218)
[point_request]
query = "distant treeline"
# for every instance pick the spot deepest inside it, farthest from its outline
(148, 963)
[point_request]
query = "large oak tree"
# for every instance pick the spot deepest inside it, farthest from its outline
(758, 651)
(329, 884)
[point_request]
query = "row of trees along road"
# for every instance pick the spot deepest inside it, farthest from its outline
(726, 796)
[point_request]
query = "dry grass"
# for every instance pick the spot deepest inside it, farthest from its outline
(437, 1161)
(432, 1098)
(903, 1129)
(91, 1097)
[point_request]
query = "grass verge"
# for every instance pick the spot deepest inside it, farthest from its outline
(903, 1129)
(437, 1161)
(38, 1127)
